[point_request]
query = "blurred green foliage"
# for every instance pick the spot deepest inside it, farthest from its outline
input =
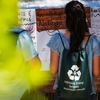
(8, 19)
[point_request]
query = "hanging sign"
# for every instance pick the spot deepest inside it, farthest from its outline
(54, 18)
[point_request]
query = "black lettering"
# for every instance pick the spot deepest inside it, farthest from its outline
(50, 23)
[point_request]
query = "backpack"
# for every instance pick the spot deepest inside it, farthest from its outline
(74, 82)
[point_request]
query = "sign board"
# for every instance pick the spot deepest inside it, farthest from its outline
(27, 21)
(54, 18)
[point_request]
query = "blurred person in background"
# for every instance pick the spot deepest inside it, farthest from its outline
(18, 56)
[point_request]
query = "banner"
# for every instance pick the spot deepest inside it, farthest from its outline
(27, 20)
(55, 18)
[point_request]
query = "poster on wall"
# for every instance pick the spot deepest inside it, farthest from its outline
(27, 20)
(95, 21)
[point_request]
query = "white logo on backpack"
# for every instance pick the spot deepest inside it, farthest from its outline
(74, 73)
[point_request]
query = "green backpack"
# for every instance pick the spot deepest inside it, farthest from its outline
(74, 82)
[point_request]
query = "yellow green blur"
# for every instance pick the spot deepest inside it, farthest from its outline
(40, 78)
(8, 70)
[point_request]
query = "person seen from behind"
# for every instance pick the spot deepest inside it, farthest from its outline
(74, 38)
(30, 60)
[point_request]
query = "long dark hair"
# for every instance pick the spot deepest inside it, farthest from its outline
(76, 24)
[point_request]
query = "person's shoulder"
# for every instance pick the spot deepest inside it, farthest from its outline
(55, 36)
(54, 39)
(95, 38)
(23, 33)
(58, 36)
(16, 30)
(95, 41)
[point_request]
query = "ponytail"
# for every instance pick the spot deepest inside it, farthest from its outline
(76, 24)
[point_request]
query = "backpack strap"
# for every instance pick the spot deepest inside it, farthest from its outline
(19, 31)
(62, 41)
(87, 41)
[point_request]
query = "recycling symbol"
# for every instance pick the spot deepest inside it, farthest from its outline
(74, 73)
